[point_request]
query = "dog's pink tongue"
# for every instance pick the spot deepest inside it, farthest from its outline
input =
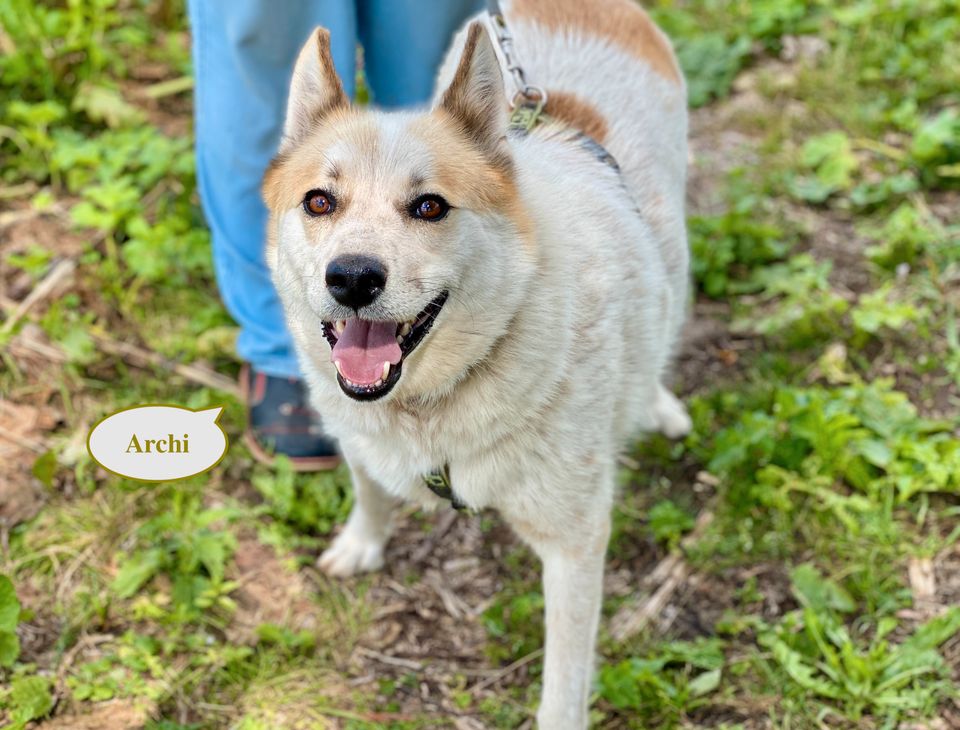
(362, 349)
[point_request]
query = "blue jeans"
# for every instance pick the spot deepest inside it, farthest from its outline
(243, 55)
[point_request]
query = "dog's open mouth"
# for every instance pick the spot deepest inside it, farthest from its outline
(369, 355)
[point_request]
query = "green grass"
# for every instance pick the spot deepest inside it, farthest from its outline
(826, 446)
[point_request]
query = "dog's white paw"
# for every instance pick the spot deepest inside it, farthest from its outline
(351, 553)
(672, 418)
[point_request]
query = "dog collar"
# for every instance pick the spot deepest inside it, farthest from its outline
(438, 482)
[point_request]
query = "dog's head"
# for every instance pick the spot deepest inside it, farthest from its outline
(398, 238)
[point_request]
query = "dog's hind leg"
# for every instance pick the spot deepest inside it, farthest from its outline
(359, 546)
(573, 592)
(671, 415)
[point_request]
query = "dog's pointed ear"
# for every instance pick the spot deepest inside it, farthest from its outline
(475, 98)
(315, 89)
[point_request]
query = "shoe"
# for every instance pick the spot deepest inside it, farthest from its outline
(280, 420)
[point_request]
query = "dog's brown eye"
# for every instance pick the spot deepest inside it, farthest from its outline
(429, 207)
(318, 202)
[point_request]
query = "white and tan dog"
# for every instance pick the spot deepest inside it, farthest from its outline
(504, 305)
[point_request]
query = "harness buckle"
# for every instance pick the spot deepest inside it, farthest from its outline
(527, 110)
(438, 482)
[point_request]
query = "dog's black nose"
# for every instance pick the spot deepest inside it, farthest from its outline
(355, 281)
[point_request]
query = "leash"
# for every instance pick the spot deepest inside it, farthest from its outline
(528, 102)
(527, 111)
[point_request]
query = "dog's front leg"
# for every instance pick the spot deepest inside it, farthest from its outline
(573, 591)
(359, 546)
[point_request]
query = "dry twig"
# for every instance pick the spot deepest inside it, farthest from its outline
(670, 573)
(134, 355)
(59, 273)
(140, 357)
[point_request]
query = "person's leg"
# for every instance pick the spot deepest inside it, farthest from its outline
(404, 42)
(243, 55)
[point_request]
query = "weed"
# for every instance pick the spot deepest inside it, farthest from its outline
(28, 698)
(727, 248)
(819, 654)
(831, 160)
(805, 309)
(185, 545)
(674, 680)
(668, 522)
(906, 236)
(314, 503)
(9, 617)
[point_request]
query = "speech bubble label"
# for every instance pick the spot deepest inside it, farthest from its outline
(158, 442)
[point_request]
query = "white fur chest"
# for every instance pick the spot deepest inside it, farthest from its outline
(398, 448)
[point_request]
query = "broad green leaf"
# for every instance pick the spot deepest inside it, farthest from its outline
(30, 698)
(104, 104)
(137, 570)
(9, 648)
(45, 467)
(934, 136)
(876, 452)
(705, 683)
(831, 156)
(212, 553)
(934, 632)
(817, 592)
(9, 605)
(801, 672)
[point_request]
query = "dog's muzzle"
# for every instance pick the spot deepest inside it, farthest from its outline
(369, 354)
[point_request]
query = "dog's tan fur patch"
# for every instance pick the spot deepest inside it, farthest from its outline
(283, 182)
(578, 113)
(465, 174)
(622, 22)
(483, 184)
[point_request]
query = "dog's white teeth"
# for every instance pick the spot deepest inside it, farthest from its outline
(405, 329)
(386, 370)
(340, 325)
(399, 339)
(378, 384)
(337, 363)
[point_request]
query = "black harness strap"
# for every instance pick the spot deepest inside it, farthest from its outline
(438, 482)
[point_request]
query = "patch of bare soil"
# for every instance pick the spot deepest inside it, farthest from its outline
(710, 353)
(22, 227)
(22, 431)
(831, 235)
(114, 715)
(947, 577)
(170, 113)
(701, 602)
(269, 592)
(428, 607)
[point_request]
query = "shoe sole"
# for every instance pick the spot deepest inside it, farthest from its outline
(299, 463)
(260, 454)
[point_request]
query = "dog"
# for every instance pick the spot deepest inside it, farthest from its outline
(493, 307)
